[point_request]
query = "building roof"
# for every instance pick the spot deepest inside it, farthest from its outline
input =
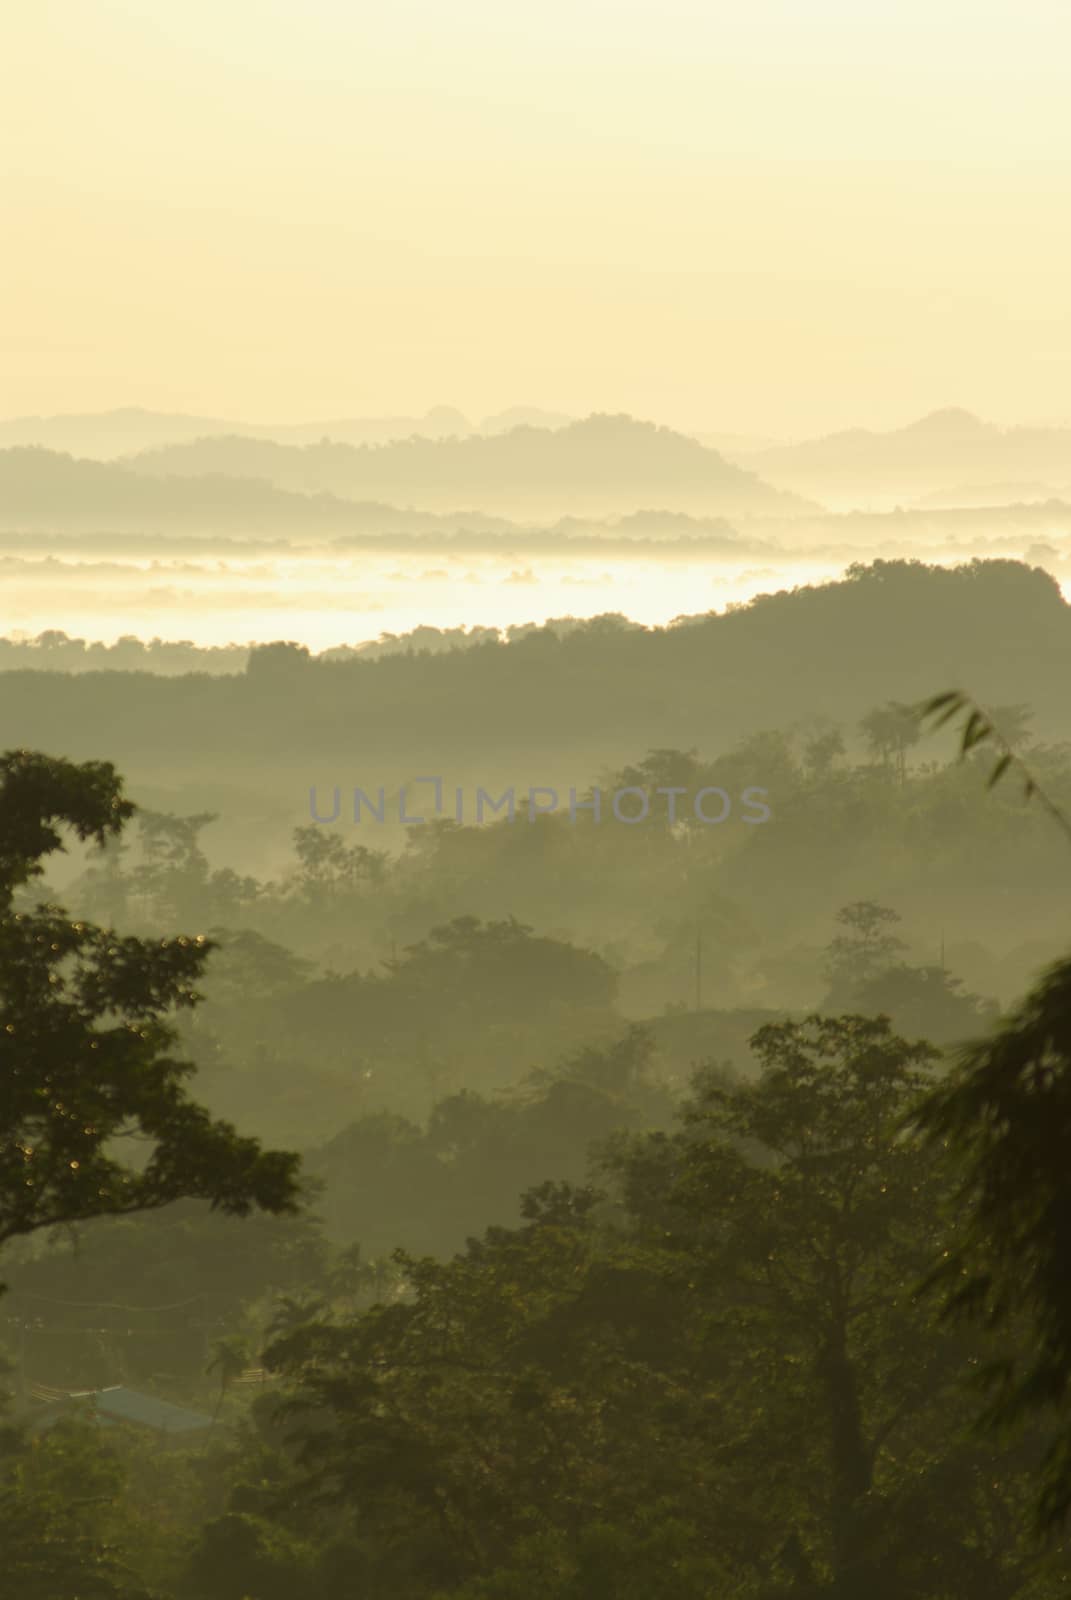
(120, 1404)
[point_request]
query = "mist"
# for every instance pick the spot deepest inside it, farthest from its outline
(535, 797)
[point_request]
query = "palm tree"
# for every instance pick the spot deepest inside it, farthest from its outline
(230, 1357)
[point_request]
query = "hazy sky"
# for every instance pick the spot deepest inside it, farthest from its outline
(776, 216)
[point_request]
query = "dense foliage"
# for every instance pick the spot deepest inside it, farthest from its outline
(646, 1246)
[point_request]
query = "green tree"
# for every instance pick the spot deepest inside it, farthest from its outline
(241, 1555)
(728, 1371)
(85, 1042)
(804, 1219)
(171, 877)
(280, 663)
(328, 869)
(866, 948)
(926, 1002)
(61, 1521)
(890, 731)
(822, 750)
(1005, 1113)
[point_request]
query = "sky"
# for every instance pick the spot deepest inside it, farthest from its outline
(780, 218)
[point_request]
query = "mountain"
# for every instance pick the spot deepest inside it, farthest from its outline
(44, 492)
(523, 417)
(43, 489)
(106, 435)
(598, 466)
(953, 422)
(944, 451)
(991, 495)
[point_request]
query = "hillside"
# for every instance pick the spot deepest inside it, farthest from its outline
(601, 465)
(568, 699)
(42, 489)
(105, 435)
(947, 450)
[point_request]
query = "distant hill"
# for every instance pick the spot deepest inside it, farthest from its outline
(554, 703)
(44, 492)
(48, 497)
(106, 435)
(42, 489)
(947, 450)
(950, 457)
(991, 495)
(601, 465)
(524, 417)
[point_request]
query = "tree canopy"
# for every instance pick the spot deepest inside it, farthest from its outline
(86, 1042)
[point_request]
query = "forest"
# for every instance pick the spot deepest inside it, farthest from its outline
(535, 801)
(548, 1206)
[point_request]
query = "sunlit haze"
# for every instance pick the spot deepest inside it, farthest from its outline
(772, 219)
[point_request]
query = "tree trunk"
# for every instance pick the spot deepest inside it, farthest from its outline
(850, 1457)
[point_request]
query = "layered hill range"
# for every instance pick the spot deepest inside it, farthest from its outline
(600, 466)
(949, 458)
(106, 435)
(529, 462)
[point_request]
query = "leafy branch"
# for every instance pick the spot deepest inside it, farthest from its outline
(980, 727)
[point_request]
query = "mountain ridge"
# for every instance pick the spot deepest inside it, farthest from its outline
(944, 450)
(606, 462)
(125, 430)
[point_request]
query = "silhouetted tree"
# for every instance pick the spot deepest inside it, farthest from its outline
(84, 1041)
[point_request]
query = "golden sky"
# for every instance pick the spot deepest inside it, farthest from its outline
(778, 216)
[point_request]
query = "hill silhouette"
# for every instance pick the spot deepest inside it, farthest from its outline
(561, 697)
(601, 465)
(43, 489)
(946, 450)
(126, 430)
(106, 435)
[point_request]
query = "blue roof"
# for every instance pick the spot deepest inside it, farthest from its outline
(119, 1404)
(127, 1405)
